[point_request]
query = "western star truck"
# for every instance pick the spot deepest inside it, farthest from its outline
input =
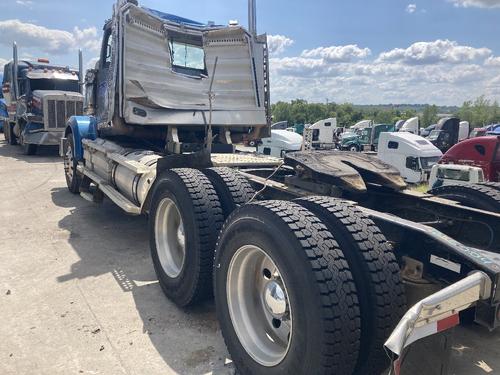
(40, 97)
(314, 259)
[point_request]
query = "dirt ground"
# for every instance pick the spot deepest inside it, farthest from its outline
(78, 293)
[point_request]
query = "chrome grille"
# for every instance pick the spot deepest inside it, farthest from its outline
(58, 112)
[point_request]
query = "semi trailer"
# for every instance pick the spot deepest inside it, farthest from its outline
(314, 259)
(40, 97)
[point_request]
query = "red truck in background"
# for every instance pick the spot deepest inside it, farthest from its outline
(483, 152)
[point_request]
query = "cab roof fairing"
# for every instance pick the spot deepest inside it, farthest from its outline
(174, 22)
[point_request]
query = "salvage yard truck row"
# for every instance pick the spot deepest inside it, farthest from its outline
(315, 259)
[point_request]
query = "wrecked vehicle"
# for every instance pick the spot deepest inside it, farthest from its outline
(313, 259)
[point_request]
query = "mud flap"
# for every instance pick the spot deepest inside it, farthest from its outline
(430, 356)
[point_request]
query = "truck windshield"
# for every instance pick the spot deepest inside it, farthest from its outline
(434, 135)
(54, 84)
(428, 162)
(453, 174)
(187, 57)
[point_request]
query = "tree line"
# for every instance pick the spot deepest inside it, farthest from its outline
(479, 112)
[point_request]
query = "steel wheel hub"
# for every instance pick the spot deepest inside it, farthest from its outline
(169, 238)
(275, 299)
(258, 305)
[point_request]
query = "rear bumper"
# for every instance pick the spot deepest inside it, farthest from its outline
(437, 313)
(44, 137)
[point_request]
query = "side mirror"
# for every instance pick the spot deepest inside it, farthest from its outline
(412, 163)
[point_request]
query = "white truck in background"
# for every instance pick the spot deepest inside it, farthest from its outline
(454, 174)
(322, 135)
(412, 155)
(411, 125)
(279, 143)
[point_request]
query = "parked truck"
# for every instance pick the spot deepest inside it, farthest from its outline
(40, 97)
(314, 258)
(448, 132)
(323, 135)
(365, 139)
(412, 155)
(482, 152)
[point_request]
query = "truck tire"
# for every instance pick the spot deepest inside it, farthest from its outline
(354, 148)
(184, 222)
(6, 125)
(285, 298)
(73, 178)
(12, 136)
(376, 274)
(472, 195)
(232, 188)
(491, 184)
(30, 148)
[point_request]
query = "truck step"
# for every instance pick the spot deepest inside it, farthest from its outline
(113, 194)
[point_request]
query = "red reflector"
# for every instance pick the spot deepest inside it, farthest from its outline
(397, 366)
(45, 61)
(447, 323)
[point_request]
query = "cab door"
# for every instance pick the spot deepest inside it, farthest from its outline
(8, 90)
(104, 78)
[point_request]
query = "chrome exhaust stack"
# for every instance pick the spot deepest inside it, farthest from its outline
(252, 17)
(16, 64)
(80, 70)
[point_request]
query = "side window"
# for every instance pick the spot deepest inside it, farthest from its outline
(480, 149)
(328, 124)
(497, 154)
(393, 145)
(267, 151)
(315, 135)
(107, 48)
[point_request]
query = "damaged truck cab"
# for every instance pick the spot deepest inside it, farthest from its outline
(40, 97)
(177, 77)
(311, 258)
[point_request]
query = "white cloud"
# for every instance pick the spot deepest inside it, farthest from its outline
(91, 63)
(476, 3)
(411, 8)
(337, 53)
(492, 61)
(439, 51)
(2, 63)
(462, 75)
(27, 3)
(278, 43)
(52, 41)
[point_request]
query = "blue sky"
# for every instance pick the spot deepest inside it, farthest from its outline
(361, 51)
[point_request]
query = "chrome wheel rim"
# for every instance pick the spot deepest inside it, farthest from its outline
(259, 306)
(68, 162)
(170, 239)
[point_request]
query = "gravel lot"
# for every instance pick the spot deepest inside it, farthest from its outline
(78, 293)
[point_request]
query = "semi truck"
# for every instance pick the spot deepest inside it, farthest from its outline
(412, 155)
(482, 152)
(448, 132)
(323, 134)
(313, 259)
(365, 139)
(40, 97)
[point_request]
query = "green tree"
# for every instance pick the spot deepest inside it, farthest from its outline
(429, 116)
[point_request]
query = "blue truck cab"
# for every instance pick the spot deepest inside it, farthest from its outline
(39, 98)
